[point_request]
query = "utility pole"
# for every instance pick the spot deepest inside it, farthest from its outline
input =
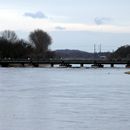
(94, 48)
(94, 51)
(100, 48)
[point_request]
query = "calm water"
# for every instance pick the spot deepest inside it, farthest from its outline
(64, 99)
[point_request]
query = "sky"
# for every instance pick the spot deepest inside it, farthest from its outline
(72, 24)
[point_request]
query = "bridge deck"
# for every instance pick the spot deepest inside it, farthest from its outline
(65, 61)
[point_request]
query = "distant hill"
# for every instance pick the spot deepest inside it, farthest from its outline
(122, 52)
(77, 54)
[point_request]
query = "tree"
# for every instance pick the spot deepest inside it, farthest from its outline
(41, 40)
(12, 47)
(9, 36)
(122, 52)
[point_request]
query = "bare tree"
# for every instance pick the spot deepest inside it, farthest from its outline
(41, 40)
(9, 36)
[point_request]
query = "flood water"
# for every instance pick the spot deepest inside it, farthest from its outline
(64, 99)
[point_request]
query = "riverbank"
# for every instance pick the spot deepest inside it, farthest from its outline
(127, 72)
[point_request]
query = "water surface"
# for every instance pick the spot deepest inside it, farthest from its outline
(64, 99)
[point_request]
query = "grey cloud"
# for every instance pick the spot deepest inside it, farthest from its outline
(59, 28)
(37, 15)
(103, 20)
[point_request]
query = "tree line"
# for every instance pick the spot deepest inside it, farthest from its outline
(121, 53)
(36, 47)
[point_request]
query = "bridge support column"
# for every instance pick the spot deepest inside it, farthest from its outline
(112, 65)
(52, 65)
(23, 64)
(35, 65)
(5, 65)
(81, 65)
(128, 66)
(97, 66)
(100, 65)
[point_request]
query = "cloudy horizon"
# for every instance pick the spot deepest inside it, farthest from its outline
(72, 25)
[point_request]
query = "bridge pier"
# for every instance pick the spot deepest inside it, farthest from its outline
(128, 66)
(100, 65)
(35, 65)
(5, 64)
(97, 66)
(81, 65)
(68, 65)
(112, 65)
(52, 65)
(23, 64)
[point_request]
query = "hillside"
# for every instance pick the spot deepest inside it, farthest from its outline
(76, 54)
(122, 52)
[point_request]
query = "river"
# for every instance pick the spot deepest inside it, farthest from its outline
(64, 99)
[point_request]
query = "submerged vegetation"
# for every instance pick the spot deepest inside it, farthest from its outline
(37, 46)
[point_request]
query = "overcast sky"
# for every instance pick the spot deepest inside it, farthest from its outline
(73, 24)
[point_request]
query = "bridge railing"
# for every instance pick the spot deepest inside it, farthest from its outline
(60, 61)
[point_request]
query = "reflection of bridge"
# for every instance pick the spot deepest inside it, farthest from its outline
(64, 62)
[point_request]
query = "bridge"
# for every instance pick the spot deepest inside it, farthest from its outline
(63, 62)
